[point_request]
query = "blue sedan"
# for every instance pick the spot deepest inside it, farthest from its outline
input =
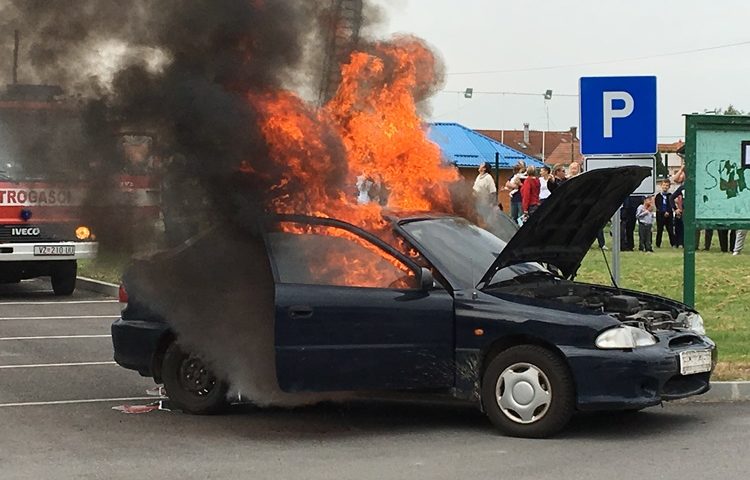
(433, 303)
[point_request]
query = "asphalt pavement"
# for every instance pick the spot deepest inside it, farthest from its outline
(58, 387)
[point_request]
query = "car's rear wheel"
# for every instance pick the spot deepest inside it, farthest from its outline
(527, 391)
(64, 278)
(190, 384)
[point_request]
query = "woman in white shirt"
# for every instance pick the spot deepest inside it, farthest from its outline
(544, 175)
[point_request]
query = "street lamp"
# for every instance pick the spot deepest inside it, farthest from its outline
(547, 96)
(469, 92)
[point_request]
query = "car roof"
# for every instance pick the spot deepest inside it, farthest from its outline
(405, 216)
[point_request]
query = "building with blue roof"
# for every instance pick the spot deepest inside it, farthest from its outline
(467, 148)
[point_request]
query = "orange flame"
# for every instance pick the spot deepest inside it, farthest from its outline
(370, 128)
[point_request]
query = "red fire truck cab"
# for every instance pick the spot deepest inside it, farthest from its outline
(41, 191)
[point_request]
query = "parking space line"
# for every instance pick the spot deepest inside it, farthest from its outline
(65, 317)
(60, 302)
(74, 402)
(54, 337)
(50, 365)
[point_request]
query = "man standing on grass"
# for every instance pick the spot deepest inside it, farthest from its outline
(678, 198)
(645, 223)
(663, 202)
(739, 242)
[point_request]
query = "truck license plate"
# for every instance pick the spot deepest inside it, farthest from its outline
(54, 250)
(695, 362)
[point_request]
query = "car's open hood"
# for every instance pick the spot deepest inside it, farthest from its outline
(562, 230)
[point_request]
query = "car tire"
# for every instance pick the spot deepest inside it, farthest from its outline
(528, 391)
(64, 278)
(190, 384)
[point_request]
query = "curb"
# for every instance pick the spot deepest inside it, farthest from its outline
(98, 286)
(720, 391)
(724, 392)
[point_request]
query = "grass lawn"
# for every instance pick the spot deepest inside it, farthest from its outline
(722, 289)
(722, 285)
(107, 267)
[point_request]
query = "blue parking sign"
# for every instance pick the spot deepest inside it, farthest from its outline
(618, 115)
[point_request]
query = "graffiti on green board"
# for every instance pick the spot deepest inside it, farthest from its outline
(721, 182)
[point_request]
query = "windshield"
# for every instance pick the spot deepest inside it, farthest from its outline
(36, 144)
(462, 251)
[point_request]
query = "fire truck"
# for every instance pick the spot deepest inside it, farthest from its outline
(41, 190)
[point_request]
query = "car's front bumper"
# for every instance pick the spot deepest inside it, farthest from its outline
(642, 377)
(136, 344)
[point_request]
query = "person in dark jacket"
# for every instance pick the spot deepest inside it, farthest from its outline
(664, 214)
(677, 201)
(628, 221)
(557, 177)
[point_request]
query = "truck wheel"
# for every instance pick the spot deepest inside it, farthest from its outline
(191, 386)
(64, 278)
(527, 391)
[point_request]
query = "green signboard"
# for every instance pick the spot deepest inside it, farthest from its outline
(718, 176)
(721, 183)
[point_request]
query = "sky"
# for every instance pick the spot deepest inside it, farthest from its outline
(524, 37)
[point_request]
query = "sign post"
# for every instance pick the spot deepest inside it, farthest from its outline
(716, 189)
(618, 128)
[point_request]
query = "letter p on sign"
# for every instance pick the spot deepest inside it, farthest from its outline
(610, 112)
(618, 115)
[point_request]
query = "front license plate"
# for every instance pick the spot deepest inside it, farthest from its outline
(695, 362)
(54, 250)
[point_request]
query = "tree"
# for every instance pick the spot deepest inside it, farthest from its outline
(730, 110)
(661, 169)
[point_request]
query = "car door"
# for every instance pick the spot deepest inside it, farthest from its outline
(350, 314)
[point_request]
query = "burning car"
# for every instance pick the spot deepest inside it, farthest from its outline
(439, 305)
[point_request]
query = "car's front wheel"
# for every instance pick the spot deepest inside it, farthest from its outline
(191, 386)
(527, 391)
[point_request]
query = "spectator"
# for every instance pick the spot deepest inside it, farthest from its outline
(664, 214)
(530, 193)
(678, 200)
(485, 190)
(679, 177)
(678, 203)
(645, 223)
(514, 187)
(628, 222)
(545, 175)
(379, 191)
(557, 177)
(364, 184)
(727, 239)
(574, 169)
(739, 242)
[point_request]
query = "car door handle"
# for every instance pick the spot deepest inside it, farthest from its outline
(300, 312)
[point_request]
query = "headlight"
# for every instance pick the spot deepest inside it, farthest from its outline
(695, 323)
(83, 232)
(625, 336)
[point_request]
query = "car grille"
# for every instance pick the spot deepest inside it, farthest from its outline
(685, 341)
(47, 233)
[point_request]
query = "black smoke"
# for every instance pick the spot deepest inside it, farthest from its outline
(181, 71)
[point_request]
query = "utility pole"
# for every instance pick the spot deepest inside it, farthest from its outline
(343, 27)
(547, 97)
(15, 58)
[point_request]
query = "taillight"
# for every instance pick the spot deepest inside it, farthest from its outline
(123, 294)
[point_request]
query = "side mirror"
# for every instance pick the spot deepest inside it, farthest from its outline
(426, 281)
